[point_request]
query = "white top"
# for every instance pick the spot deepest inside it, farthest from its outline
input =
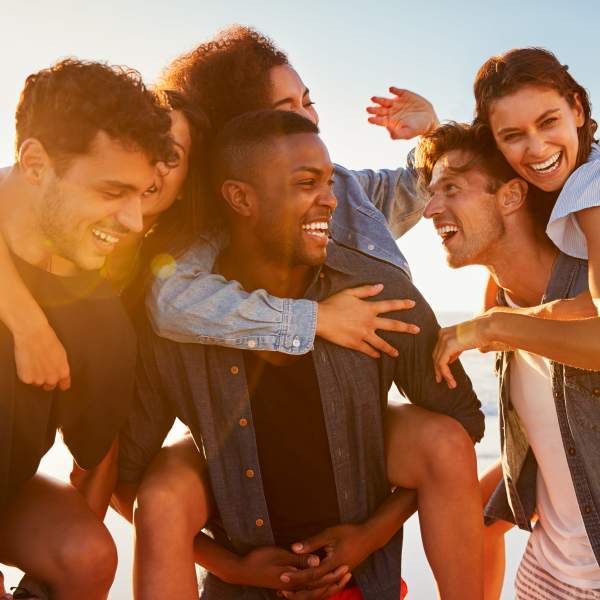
(581, 190)
(559, 540)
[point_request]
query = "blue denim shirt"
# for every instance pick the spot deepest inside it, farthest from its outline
(205, 386)
(577, 400)
(192, 304)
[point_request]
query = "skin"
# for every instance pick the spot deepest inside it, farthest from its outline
(279, 255)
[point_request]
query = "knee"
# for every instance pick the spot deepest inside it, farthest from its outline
(87, 558)
(448, 449)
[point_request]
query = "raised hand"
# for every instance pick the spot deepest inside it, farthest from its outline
(405, 114)
(349, 320)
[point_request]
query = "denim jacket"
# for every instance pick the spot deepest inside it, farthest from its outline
(194, 305)
(577, 400)
(205, 386)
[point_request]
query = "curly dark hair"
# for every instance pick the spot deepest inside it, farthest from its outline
(506, 73)
(228, 75)
(66, 105)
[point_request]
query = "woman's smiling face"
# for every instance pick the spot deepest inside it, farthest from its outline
(536, 130)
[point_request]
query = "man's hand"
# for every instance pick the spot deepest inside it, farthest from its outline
(348, 320)
(271, 567)
(41, 359)
(453, 341)
(405, 115)
(345, 546)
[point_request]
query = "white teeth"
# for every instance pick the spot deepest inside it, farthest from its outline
(105, 237)
(317, 226)
(446, 229)
(547, 164)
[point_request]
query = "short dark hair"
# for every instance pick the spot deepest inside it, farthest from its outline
(236, 149)
(474, 140)
(228, 75)
(66, 105)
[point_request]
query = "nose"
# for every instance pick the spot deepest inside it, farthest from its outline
(130, 215)
(309, 114)
(434, 207)
(328, 199)
(536, 145)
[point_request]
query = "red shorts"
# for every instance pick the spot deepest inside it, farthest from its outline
(353, 593)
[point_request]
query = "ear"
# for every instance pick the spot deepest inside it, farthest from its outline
(34, 162)
(512, 195)
(239, 196)
(577, 108)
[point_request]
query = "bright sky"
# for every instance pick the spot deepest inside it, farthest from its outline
(344, 51)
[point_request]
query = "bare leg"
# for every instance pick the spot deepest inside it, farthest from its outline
(172, 507)
(49, 531)
(493, 539)
(433, 454)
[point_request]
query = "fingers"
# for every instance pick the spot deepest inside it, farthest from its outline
(382, 121)
(380, 307)
(64, 384)
(303, 561)
(378, 111)
(336, 588)
(366, 349)
(398, 326)
(380, 344)
(365, 291)
(441, 361)
(311, 579)
(383, 101)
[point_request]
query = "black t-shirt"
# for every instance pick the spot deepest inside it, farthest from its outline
(293, 447)
(87, 315)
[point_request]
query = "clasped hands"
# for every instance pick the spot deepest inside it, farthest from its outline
(300, 574)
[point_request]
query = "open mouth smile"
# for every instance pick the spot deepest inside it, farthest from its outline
(548, 166)
(446, 232)
(317, 229)
(104, 236)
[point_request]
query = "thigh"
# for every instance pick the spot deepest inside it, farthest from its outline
(177, 479)
(46, 522)
(418, 440)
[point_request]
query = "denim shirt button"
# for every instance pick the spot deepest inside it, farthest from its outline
(234, 370)
(249, 473)
(251, 343)
(259, 522)
(296, 342)
(572, 451)
(243, 422)
(371, 247)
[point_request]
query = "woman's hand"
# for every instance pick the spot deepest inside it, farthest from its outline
(405, 115)
(348, 320)
(41, 359)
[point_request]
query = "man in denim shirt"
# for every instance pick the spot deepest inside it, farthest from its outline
(548, 410)
(279, 241)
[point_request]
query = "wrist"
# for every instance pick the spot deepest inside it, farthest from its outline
(31, 326)
(371, 536)
(231, 569)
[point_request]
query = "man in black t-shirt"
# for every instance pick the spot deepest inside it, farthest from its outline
(87, 137)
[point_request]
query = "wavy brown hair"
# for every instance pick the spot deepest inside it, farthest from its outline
(226, 76)
(506, 73)
(66, 105)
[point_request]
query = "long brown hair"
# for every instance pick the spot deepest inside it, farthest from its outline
(506, 73)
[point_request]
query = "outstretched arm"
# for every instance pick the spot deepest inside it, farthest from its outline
(194, 305)
(39, 356)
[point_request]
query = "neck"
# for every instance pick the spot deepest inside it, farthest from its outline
(246, 261)
(19, 221)
(522, 264)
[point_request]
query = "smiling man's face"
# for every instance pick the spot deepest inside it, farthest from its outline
(86, 211)
(464, 210)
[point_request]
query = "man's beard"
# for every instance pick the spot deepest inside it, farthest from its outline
(479, 245)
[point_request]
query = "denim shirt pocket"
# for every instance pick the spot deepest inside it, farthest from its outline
(583, 397)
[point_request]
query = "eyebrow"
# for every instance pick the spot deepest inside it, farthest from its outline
(314, 170)
(441, 181)
(540, 118)
(119, 184)
(289, 100)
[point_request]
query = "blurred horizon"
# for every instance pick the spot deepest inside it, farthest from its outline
(344, 52)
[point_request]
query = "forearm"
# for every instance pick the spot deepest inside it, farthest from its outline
(18, 309)
(389, 517)
(217, 560)
(575, 343)
(567, 309)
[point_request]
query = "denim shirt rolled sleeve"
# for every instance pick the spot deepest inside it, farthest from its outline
(393, 192)
(194, 305)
